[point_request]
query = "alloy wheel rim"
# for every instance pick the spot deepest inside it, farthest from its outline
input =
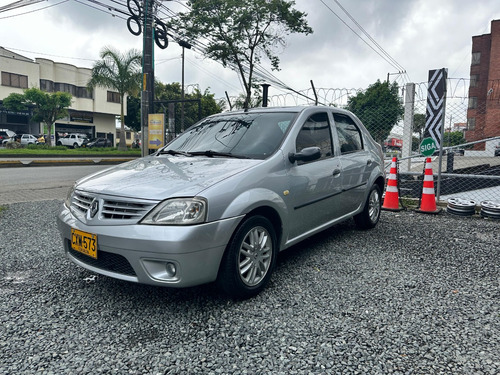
(374, 206)
(254, 257)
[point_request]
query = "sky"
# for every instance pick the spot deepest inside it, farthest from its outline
(415, 35)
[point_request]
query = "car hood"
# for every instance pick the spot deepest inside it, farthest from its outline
(160, 177)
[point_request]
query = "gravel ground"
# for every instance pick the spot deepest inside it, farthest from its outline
(417, 295)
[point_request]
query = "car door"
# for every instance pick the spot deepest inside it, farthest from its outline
(315, 186)
(356, 163)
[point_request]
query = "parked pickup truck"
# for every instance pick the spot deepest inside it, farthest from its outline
(72, 140)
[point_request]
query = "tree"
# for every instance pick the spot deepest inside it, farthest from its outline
(453, 139)
(47, 107)
(239, 33)
(419, 124)
(133, 116)
(173, 91)
(118, 72)
(379, 108)
(242, 101)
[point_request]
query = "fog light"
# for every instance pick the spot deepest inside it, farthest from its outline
(171, 269)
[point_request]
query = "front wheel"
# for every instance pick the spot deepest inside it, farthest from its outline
(249, 259)
(370, 215)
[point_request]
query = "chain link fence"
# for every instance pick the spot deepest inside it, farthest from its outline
(466, 166)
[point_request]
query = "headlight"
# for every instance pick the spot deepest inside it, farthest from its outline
(67, 202)
(179, 211)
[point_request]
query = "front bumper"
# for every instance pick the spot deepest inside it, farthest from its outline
(142, 253)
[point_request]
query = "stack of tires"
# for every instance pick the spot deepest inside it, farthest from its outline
(462, 207)
(490, 209)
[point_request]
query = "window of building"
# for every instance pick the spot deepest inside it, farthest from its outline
(14, 80)
(46, 85)
(83, 92)
(65, 87)
(471, 123)
(349, 134)
(474, 79)
(472, 102)
(476, 58)
(113, 97)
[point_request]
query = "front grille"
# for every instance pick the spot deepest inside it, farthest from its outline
(81, 202)
(112, 208)
(123, 210)
(105, 261)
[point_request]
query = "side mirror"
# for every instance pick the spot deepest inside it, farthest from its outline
(307, 154)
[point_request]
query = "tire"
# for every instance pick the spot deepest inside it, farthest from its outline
(249, 259)
(370, 215)
(75, 145)
(59, 143)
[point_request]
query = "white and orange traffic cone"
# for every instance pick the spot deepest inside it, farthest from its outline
(428, 200)
(391, 199)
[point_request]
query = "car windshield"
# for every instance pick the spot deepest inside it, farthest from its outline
(252, 135)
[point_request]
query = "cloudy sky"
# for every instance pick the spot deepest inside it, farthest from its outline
(415, 35)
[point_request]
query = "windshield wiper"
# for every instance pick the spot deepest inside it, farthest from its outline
(174, 152)
(211, 154)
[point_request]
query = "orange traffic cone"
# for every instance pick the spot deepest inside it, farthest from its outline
(391, 199)
(428, 201)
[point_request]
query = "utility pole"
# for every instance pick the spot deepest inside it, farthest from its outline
(147, 94)
(182, 93)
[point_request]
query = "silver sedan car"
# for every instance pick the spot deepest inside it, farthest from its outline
(221, 200)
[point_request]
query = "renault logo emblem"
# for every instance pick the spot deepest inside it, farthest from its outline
(94, 208)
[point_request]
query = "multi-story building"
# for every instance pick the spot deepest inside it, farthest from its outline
(92, 113)
(483, 114)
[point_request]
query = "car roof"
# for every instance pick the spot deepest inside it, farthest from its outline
(296, 109)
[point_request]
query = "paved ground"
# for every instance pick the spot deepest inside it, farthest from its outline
(419, 294)
(37, 184)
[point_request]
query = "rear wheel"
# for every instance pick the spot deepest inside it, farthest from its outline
(370, 215)
(249, 259)
(75, 145)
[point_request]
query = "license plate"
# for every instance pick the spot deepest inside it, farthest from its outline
(83, 242)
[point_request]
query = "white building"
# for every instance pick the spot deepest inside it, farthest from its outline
(91, 113)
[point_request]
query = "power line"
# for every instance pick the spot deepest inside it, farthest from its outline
(396, 66)
(400, 67)
(33, 11)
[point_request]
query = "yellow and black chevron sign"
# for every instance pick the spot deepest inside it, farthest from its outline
(436, 100)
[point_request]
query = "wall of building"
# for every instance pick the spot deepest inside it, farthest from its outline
(89, 113)
(483, 114)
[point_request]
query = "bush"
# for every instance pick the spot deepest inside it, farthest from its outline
(44, 146)
(13, 145)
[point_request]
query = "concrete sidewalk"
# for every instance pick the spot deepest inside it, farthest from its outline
(11, 162)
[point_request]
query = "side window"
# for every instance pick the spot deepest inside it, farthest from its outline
(349, 135)
(316, 132)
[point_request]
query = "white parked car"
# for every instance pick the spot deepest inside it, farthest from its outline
(29, 139)
(72, 140)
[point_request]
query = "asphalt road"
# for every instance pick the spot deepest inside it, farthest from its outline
(27, 184)
(419, 294)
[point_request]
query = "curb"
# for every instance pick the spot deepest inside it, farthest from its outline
(61, 162)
